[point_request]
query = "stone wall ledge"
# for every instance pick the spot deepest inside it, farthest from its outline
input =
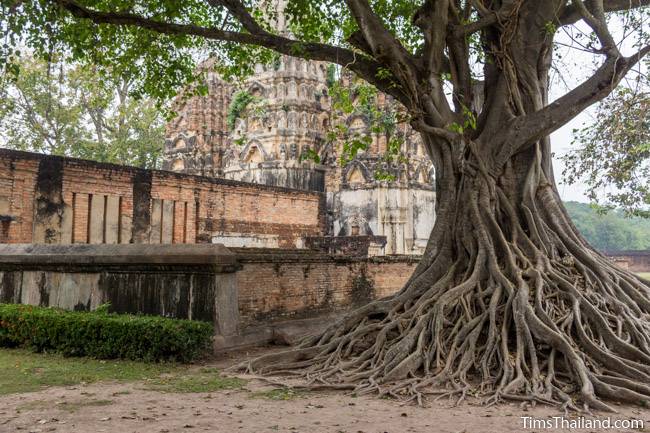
(281, 255)
(215, 256)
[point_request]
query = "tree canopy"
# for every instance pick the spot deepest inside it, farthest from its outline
(68, 110)
(384, 42)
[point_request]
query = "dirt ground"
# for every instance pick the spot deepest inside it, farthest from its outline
(125, 408)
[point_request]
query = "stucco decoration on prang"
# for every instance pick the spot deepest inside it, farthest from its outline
(282, 139)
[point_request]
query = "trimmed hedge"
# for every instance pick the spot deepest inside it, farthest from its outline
(101, 335)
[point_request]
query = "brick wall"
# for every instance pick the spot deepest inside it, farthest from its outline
(45, 199)
(17, 184)
(279, 285)
(633, 261)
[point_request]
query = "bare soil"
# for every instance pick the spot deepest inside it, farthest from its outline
(122, 408)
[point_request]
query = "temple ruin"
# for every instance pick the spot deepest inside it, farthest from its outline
(277, 145)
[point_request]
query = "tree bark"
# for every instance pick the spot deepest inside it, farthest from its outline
(509, 302)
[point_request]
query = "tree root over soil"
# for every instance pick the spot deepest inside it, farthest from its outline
(521, 309)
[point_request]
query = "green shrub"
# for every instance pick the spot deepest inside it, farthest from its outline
(101, 335)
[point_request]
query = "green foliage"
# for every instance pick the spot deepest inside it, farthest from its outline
(331, 75)
(614, 151)
(24, 371)
(277, 62)
(311, 155)
(611, 231)
(240, 101)
(102, 335)
(611, 152)
(550, 28)
(74, 111)
(160, 64)
(243, 103)
(360, 99)
(469, 122)
(351, 147)
(159, 54)
(241, 141)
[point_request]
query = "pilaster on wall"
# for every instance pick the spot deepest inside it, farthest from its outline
(141, 206)
(51, 199)
(50, 211)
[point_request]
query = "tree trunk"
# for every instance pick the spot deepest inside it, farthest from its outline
(509, 302)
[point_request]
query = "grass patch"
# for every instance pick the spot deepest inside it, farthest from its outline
(203, 380)
(24, 371)
(279, 394)
(645, 275)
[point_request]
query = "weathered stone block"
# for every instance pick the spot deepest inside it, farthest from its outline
(112, 223)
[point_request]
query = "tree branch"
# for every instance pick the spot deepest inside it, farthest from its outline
(594, 16)
(239, 11)
(385, 47)
(357, 40)
(571, 14)
(362, 65)
(420, 126)
(487, 19)
(432, 19)
(530, 128)
(382, 42)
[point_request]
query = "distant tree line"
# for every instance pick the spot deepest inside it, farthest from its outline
(611, 230)
(72, 110)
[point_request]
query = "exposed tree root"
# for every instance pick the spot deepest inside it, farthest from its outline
(521, 309)
(509, 301)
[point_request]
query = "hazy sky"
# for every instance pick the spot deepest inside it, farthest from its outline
(576, 66)
(561, 142)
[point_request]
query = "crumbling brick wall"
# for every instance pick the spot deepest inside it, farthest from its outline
(48, 199)
(281, 285)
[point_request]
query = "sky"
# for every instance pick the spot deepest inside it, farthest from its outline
(573, 64)
(576, 66)
(561, 142)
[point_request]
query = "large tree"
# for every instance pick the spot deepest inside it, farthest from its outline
(509, 301)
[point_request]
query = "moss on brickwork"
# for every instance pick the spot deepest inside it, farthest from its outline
(363, 289)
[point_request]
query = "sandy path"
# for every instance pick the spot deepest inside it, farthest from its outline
(124, 408)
